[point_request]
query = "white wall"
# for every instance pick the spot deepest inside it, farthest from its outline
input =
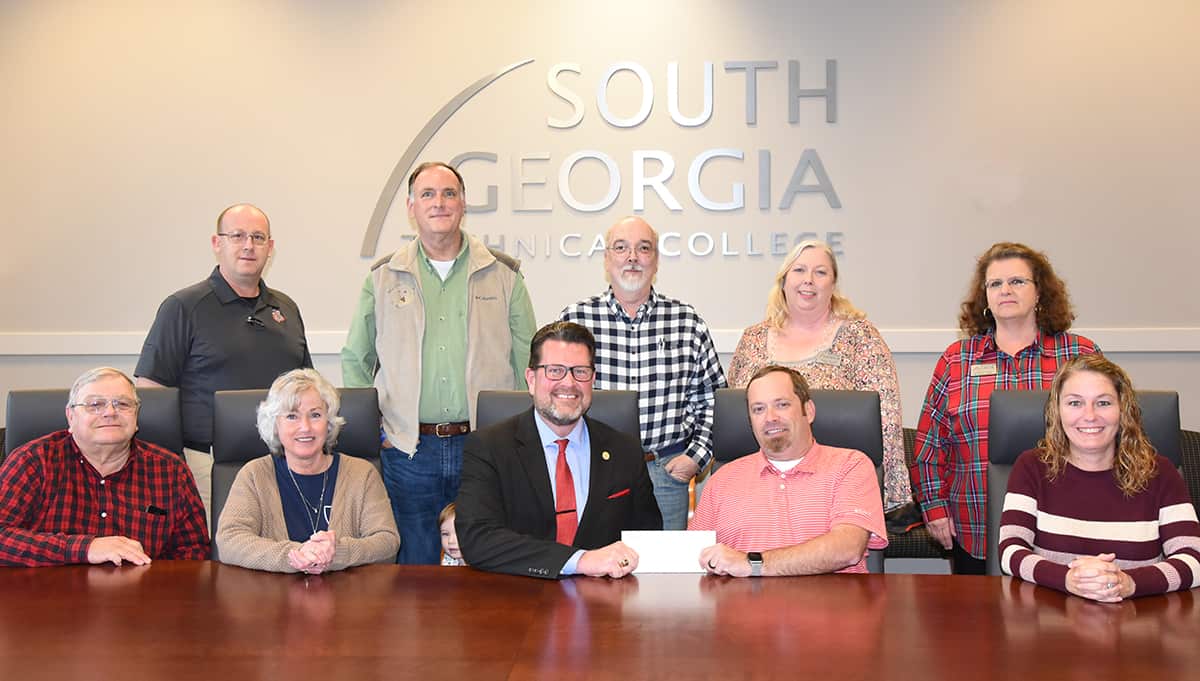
(1068, 125)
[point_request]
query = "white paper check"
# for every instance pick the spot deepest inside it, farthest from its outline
(668, 550)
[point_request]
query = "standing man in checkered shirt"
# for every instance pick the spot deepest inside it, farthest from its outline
(662, 349)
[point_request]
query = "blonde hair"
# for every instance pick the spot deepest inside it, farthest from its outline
(840, 306)
(1135, 462)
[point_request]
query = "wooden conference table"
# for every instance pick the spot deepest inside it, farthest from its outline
(203, 620)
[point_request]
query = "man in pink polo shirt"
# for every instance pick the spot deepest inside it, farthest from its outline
(795, 507)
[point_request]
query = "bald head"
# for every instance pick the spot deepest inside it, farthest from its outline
(631, 224)
(631, 259)
(247, 216)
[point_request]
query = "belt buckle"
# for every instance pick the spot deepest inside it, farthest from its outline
(437, 430)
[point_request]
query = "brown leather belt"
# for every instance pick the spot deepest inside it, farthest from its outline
(445, 429)
(672, 450)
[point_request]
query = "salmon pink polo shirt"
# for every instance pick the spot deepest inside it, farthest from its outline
(753, 506)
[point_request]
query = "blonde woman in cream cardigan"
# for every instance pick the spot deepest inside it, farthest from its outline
(304, 508)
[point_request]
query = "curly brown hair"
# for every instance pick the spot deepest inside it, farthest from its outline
(1054, 312)
(1135, 463)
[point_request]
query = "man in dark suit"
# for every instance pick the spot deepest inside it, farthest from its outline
(547, 492)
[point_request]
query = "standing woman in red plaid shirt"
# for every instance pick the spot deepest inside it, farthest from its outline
(1015, 319)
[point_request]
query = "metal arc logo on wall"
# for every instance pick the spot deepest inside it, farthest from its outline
(650, 171)
(397, 178)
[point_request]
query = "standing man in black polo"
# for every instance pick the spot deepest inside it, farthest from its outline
(228, 332)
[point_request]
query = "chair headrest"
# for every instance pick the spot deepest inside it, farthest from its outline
(34, 413)
(617, 409)
(845, 418)
(235, 424)
(1017, 421)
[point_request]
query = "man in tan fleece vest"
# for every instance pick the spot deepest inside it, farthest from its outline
(437, 321)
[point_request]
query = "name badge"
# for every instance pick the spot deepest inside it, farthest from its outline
(828, 358)
(984, 370)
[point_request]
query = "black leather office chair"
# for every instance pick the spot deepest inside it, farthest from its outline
(236, 439)
(845, 418)
(617, 409)
(34, 413)
(1017, 421)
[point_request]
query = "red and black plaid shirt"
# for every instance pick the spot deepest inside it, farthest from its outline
(53, 503)
(952, 435)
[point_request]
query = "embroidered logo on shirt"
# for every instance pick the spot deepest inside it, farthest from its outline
(400, 296)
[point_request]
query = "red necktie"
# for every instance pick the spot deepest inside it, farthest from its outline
(564, 505)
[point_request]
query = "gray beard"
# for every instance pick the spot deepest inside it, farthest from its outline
(557, 417)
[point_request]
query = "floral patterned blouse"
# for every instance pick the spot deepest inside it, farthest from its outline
(857, 358)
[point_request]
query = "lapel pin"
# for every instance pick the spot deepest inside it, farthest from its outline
(605, 455)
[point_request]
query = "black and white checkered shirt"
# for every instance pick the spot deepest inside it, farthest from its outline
(666, 354)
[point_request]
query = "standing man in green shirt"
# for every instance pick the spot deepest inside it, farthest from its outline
(437, 321)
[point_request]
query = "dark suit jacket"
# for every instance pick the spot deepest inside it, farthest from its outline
(505, 509)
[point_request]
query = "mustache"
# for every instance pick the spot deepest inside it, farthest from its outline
(633, 268)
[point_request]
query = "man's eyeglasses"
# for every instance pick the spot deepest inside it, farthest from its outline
(99, 405)
(258, 238)
(622, 249)
(557, 372)
(1016, 283)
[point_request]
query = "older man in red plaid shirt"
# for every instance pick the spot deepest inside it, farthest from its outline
(95, 494)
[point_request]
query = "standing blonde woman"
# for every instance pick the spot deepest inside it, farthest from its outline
(813, 328)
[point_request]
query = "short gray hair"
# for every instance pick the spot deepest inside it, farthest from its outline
(284, 396)
(92, 375)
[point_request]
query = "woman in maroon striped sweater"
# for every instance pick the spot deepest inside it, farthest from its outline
(1095, 511)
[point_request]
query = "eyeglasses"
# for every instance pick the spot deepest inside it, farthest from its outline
(1016, 283)
(99, 405)
(557, 372)
(622, 249)
(258, 238)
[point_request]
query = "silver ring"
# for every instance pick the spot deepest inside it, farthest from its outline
(1109, 585)
(711, 566)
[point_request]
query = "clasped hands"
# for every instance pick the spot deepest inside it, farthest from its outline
(315, 555)
(1098, 578)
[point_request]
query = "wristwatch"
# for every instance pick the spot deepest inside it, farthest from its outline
(756, 563)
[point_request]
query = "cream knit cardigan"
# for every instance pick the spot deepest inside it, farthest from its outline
(252, 533)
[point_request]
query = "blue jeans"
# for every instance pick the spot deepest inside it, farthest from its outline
(419, 487)
(671, 495)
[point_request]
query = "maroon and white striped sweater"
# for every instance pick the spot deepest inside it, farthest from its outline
(1048, 524)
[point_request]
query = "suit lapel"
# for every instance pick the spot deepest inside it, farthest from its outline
(533, 458)
(601, 478)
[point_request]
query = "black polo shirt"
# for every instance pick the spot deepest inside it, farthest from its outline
(206, 338)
